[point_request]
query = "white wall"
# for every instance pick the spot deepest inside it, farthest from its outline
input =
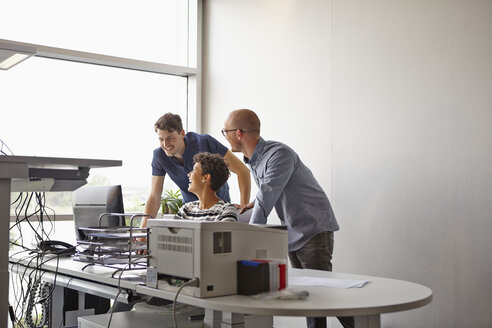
(261, 55)
(390, 104)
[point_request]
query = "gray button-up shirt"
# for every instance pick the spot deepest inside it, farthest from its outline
(285, 183)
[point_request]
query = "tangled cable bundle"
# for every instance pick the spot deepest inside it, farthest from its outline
(40, 293)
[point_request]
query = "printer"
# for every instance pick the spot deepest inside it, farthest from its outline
(209, 251)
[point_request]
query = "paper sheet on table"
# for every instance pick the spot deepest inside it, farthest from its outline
(327, 282)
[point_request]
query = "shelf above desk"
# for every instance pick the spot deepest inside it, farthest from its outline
(31, 173)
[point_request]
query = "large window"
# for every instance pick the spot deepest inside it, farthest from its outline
(151, 30)
(61, 109)
(84, 109)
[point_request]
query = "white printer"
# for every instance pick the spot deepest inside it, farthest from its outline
(209, 251)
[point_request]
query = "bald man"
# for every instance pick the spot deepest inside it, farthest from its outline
(284, 182)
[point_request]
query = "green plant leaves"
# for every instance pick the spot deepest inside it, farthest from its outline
(171, 202)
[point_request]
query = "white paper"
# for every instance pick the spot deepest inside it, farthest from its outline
(327, 282)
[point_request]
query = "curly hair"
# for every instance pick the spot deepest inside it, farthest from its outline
(214, 165)
(169, 122)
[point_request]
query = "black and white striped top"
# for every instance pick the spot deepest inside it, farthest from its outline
(221, 211)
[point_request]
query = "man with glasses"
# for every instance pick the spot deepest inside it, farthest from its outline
(174, 157)
(284, 182)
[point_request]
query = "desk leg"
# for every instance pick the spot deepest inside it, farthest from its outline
(232, 320)
(368, 321)
(213, 319)
(256, 321)
(57, 299)
(237, 320)
(4, 249)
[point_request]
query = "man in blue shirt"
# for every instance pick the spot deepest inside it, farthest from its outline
(284, 182)
(175, 158)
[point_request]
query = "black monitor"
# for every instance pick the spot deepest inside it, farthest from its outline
(90, 202)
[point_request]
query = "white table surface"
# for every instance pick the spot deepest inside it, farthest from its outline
(379, 295)
(96, 273)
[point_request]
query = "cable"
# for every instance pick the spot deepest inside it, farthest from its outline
(28, 289)
(37, 292)
(3, 144)
(12, 315)
(193, 282)
(24, 303)
(126, 267)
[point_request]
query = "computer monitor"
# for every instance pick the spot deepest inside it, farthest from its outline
(90, 202)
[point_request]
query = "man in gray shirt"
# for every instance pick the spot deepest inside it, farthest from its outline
(284, 182)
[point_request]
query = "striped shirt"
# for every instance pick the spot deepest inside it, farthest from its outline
(221, 211)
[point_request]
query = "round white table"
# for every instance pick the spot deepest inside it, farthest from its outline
(366, 304)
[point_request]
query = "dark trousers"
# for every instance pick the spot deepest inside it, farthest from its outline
(317, 255)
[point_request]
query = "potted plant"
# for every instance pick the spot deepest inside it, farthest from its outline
(171, 202)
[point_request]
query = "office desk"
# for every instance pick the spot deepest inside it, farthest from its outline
(378, 296)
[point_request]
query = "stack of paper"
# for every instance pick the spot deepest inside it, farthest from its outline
(327, 282)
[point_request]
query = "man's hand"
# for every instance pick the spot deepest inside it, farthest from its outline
(142, 240)
(246, 207)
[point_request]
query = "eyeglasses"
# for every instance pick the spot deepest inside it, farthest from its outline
(224, 131)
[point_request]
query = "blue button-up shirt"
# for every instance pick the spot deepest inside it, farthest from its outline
(195, 143)
(285, 183)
